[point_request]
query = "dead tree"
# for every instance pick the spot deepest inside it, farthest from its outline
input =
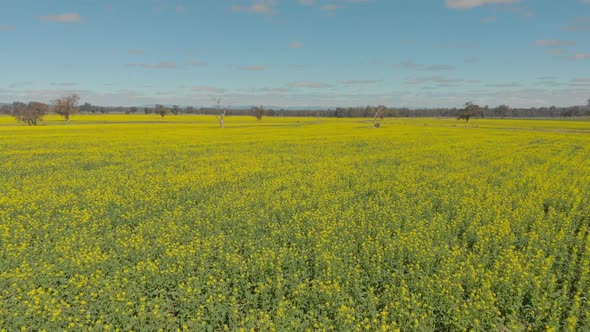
(67, 106)
(221, 111)
(379, 113)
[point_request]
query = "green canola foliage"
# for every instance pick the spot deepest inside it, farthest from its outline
(114, 223)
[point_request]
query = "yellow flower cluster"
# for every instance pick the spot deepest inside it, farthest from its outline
(136, 223)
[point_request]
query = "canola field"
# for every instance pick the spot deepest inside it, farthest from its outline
(132, 222)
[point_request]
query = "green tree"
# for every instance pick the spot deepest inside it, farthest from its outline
(501, 111)
(470, 110)
(161, 110)
(257, 111)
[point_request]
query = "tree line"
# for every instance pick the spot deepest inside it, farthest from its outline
(33, 112)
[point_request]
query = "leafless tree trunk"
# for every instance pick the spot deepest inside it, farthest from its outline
(378, 115)
(221, 111)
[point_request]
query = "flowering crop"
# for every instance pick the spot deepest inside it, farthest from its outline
(111, 223)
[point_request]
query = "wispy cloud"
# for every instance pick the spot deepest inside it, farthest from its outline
(459, 45)
(180, 9)
(435, 79)
(63, 18)
(409, 65)
(135, 51)
(296, 45)
(580, 24)
(553, 42)
(504, 85)
(195, 63)
(330, 7)
(260, 7)
(6, 27)
(556, 51)
(160, 65)
(419, 66)
(489, 19)
(63, 84)
(581, 56)
(252, 68)
(356, 82)
(440, 67)
(205, 88)
(307, 84)
(466, 4)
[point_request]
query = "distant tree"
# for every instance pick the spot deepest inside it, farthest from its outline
(148, 110)
(133, 110)
(379, 113)
(470, 110)
(67, 106)
(31, 113)
(86, 108)
(161, 110)
(501, 111)
(175, 109)
(588, 102)
(257, 111)
(220, 111)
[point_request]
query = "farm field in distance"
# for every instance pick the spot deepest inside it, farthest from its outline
(142, 223)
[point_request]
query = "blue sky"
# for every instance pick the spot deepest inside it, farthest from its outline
(411, 53)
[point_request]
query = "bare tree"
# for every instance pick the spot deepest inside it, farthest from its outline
(258, 112)
(379, 114)
(30, 113)
(221, 109)
(67, 106)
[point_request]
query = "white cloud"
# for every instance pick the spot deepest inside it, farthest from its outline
(261, 7)
(63, 18)
(465, 4)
